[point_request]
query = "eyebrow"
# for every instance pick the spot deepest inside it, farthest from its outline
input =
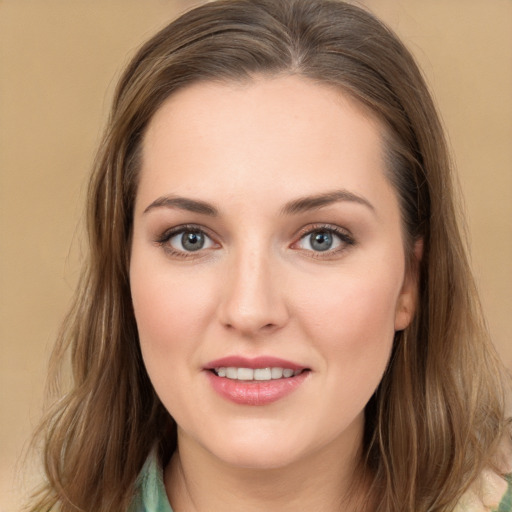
(300, 205)
(183, 203)
(308, 203)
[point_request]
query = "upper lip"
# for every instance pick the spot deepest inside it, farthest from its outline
(255, 362)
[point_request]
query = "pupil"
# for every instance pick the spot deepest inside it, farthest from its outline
(192, 241)
(321, 241)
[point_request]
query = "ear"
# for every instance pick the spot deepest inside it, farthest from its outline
(407, 300)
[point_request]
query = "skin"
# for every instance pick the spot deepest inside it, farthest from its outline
(258, 287)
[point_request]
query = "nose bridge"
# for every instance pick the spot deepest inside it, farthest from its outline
(253, 298)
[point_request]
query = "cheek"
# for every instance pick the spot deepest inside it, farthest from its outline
(352, 317)
(349, 300)
(171, 310)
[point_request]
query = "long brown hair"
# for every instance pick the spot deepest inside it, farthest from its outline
(438, 415)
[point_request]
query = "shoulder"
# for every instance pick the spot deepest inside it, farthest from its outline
(491, 492)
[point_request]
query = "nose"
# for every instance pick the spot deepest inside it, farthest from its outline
(253, 299)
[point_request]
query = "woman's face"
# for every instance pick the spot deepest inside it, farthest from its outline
(267, 242)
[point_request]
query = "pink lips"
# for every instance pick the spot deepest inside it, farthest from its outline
(254, 392)
(257, 362)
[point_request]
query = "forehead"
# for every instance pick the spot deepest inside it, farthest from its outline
(285, 134)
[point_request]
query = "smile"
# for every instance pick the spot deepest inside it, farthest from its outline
(255, 374)
(255, 380)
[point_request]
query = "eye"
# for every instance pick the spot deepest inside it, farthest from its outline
(319, 241)
(189, 241)
(185, 240)
(325, 240)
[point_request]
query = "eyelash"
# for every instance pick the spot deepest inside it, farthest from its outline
(168, 234)
(345, 238)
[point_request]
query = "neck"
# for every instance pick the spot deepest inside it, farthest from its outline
(328, 479)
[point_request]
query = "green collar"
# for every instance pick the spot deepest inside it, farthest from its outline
(150, 490)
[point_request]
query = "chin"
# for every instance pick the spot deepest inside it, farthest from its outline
(258, 458)
(255, 450)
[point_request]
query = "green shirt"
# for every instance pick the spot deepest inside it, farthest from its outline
(151, 495)
(506, 501)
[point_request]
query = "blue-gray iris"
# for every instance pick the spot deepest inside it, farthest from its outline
(321, 241)
(192, 241)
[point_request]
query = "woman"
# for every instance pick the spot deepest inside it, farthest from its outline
(277, 312)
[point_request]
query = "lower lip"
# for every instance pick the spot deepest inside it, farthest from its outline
(255, 392)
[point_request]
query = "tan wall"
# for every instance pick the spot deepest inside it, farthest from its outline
(57, 63)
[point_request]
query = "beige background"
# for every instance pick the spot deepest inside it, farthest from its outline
(58, 63)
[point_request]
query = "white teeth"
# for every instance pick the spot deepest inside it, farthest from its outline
(231, 373)
(261, 374)
(276, 373)
(245, 374)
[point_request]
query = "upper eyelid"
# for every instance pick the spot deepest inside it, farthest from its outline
(175, 230)
(338, 230)
(164, 238)
(169, 233)
(345, 236)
